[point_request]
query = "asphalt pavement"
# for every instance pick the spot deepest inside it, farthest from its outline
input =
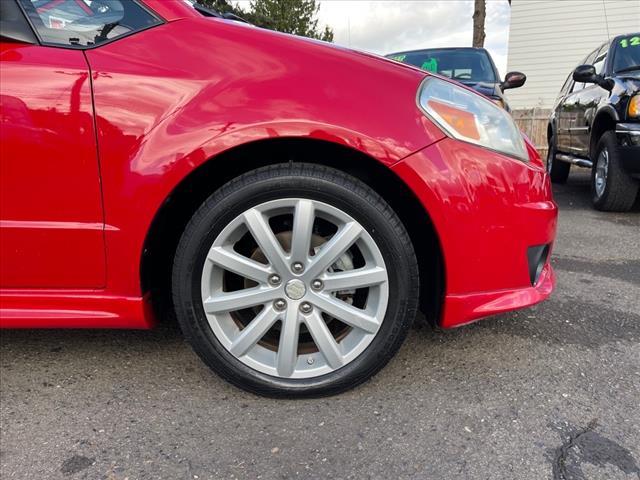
(551, 392)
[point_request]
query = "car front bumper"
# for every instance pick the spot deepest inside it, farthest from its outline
(490, 213)
(628, 135)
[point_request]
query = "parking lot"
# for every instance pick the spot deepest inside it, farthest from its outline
(548, 392)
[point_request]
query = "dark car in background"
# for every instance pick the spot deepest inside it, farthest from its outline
(595, 123)
(472, 67)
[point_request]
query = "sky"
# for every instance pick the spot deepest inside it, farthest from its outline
(389, 26)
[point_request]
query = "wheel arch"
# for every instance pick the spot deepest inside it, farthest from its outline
(171, 218)
(604, 121)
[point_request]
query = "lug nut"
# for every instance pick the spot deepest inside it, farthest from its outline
(305, 307)
(275, 279)
(280, 304)
(317, 284)
(310, 360)
(297, 267)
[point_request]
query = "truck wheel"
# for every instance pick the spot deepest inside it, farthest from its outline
(612, 189)
(557, 169)
(295, 280)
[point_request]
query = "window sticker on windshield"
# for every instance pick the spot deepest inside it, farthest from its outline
(430, 65)
(57, 22)
(630, 42)
(398, 58)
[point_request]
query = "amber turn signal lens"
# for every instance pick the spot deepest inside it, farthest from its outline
(634, 106)
(461, 121)
(470, 117)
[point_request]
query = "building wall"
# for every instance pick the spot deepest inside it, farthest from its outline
(548, 38)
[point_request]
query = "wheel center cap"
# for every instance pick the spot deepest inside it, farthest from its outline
(295, 289)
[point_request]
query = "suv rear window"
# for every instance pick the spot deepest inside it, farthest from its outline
(462, 65)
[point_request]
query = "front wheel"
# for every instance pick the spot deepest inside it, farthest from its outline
(612, 189)
(295, 280)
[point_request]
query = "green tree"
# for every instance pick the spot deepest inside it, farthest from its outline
(223, 6)
(290, 16)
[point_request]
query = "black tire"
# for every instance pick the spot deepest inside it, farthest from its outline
(620, 190)
(317, 183)
(558, 170)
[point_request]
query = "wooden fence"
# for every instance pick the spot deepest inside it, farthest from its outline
(533, 122)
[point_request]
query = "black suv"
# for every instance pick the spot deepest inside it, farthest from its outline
(595, 123)
(472, 67)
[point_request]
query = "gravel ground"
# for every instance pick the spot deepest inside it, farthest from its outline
(548, 392)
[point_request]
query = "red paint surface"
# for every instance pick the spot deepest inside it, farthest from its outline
(172, 10)
(487, 210)
(72, 309)
(175, 96)
(51, 222)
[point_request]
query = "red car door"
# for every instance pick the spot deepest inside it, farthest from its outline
(51, 218)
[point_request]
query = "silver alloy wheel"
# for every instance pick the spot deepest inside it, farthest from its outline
(330, 287)
(602, 171)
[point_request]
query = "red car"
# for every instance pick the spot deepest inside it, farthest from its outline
(293, 202)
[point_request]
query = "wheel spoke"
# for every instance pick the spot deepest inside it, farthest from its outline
(334, 248)
(303, 218)
(360, 278)
(253, 332)
(288, 345)
(266, 240)
(232, 301)
(324, 340)
(344, 312)
(236, 263)
(295, 288)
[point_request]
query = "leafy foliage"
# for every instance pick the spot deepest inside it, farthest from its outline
(290, 16)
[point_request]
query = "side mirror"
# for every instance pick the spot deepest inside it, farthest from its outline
(587, 74)
(513, 80)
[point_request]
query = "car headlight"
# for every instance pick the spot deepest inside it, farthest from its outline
(634, 106)
(469, 117)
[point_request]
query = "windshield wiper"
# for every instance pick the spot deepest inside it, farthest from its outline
(628, 69)
(210, 12)
(106, 30)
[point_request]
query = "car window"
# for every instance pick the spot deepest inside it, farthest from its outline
(600, 59)
(577, 87)
(587, 61)
(464, 65)
(626, 54)
(13, 25)
(591, 57)
(566, 84)
(86, 22)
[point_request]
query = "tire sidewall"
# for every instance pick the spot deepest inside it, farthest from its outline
(551, 153)
(557, 170)
(349, 196)
(621, 190)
